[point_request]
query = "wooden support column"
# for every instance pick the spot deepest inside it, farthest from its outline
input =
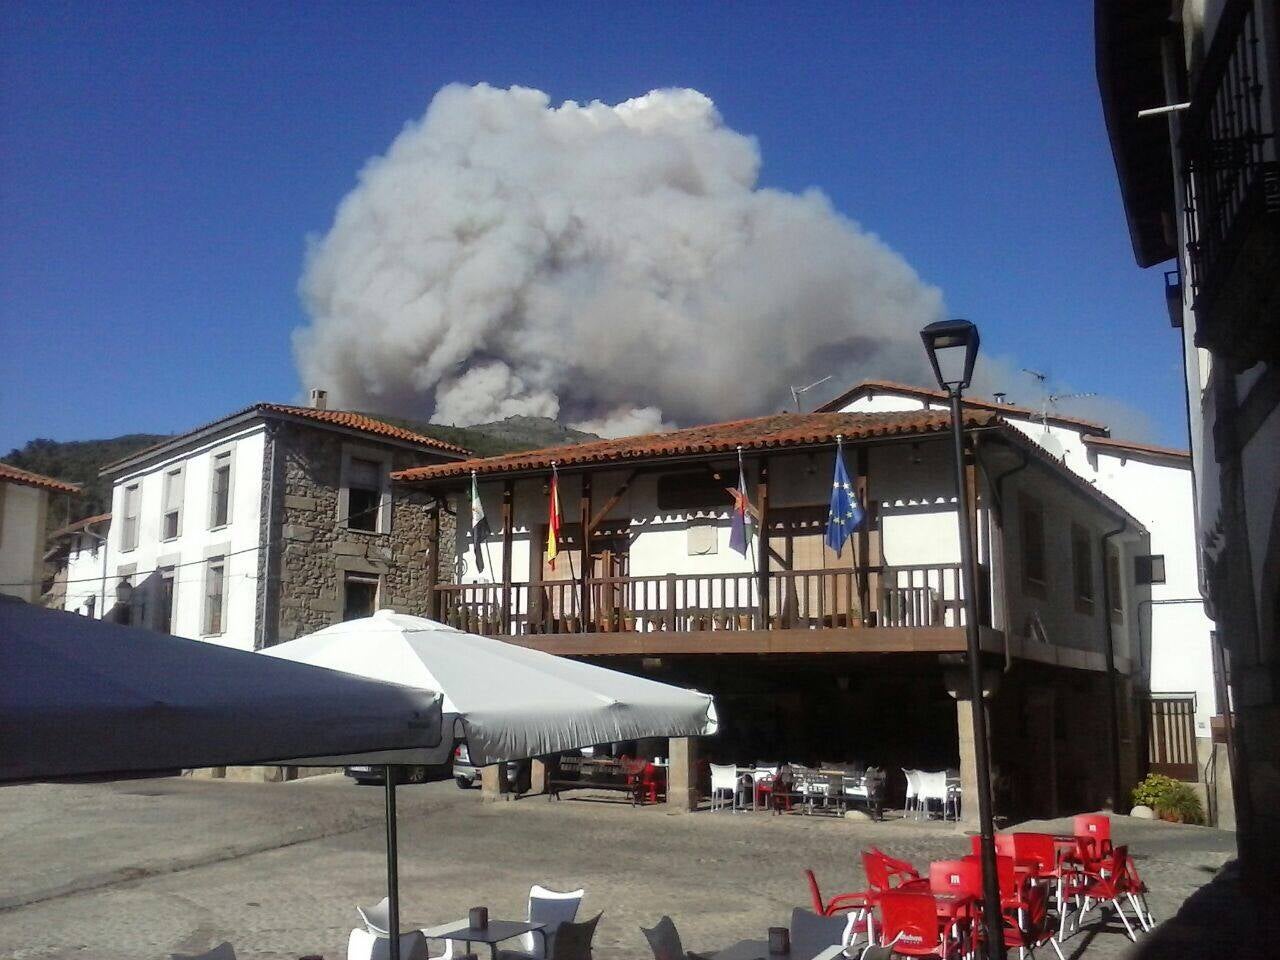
(983, 604)
(862, 489)
(433, 562)
(508, 529)
(762, 544)
(584, 571)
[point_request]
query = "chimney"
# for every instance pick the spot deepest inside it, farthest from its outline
(319, 399)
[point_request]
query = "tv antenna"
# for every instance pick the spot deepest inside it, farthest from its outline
(1049, 399)
(796, 391)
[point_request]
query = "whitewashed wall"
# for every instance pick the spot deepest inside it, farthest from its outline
(22, 539)
(85, 579)
(239, 539)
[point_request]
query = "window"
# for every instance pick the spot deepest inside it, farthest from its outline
(1034, 575)
(129, 529)
(1082, 568)
(171, 521)
(1147, 570)
(220, 490)
(359, 595)
(698, 490)
(215, 595)
(1114, 586)
(364, 494)
(164, 599)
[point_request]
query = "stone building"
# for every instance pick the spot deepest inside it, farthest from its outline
(270, 523)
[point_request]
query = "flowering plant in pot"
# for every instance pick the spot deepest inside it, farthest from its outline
(1172, 800)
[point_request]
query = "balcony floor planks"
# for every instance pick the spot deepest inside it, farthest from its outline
(858, 640)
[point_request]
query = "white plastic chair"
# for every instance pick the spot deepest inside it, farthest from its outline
(724, 779)
(373, 942)
(913, 791)
(552, 908)
(764, 772)
(933, 786)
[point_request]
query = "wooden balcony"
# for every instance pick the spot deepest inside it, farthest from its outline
(803, 610)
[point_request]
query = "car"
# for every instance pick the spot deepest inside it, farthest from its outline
(467, 775)
(405, 773)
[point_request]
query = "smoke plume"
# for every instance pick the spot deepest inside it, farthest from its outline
(617, 267)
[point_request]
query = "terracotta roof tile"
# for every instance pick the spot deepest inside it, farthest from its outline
(356, 421)
(12, 474)
(338, 418)
(937, 396)
(760, 433)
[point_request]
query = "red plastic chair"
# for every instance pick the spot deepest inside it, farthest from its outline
(1095, 828)
(1030, 929)
(859, 904)
(1109, 880)
(651, 782)
(633, 771)
(910, 926)
(883, 870)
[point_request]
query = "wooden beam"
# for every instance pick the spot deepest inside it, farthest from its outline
(508, 521)
(611, 502)
(762, 543)
(433, 561)
(862, 488)
(700, 642)
(584, 590)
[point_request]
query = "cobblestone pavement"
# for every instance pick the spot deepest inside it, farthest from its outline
(145, 868)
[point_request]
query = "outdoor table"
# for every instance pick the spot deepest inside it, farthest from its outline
(759, 950)
(493, 934)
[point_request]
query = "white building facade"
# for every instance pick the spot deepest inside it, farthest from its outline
(1155, 485)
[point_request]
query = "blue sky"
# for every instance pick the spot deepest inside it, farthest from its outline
(162, 166)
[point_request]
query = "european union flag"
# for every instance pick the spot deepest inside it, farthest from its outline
(846, 513)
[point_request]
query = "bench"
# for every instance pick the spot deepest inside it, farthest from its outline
(556, 786)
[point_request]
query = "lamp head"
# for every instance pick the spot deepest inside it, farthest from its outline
(952, 346)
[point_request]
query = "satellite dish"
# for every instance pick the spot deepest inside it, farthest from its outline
(1052, 445)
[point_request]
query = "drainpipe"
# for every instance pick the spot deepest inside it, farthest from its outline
(1113, 708)
(997, 490)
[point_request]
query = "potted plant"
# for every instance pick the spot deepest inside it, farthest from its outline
(1172, 800)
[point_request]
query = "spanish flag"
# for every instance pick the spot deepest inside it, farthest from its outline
(553, 519)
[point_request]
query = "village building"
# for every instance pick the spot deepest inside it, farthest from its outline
(816, 656)
(264, 525)
(1155, 485)
(24, 513)
(1190, 92)
(78, 553)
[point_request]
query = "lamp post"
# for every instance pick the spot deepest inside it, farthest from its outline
(952, 346)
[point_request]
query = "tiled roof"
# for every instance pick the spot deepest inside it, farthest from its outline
(12, 474)
(1121, 447)
(759, 433)
(356, 421)
(337, 418)
(79, 525)
(937, 396)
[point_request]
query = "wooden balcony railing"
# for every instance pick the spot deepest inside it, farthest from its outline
(904, 596)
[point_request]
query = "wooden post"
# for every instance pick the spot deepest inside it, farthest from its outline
(584, 588)
(671, 601)
(508, 521)
(971, 483)
(433, 562)
(762, 544)
(862, 488)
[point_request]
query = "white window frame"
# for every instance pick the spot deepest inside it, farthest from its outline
(376, 455)
(180, 472)
(215, 556)
(229, 452)
(129, 525)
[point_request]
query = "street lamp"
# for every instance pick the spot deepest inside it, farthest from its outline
(952, 346)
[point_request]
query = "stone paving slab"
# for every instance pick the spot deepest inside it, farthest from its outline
(721, 876)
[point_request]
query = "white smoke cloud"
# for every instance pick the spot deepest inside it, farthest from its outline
(614, 266)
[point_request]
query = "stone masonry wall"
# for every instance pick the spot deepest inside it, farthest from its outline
(312, 552)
